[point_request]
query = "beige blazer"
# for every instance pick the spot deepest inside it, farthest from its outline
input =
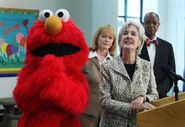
(92, 114)
(117, 91)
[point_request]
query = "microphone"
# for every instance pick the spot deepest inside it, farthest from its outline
(176, 77)
(169, 70)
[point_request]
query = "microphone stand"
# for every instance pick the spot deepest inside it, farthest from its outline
(176, 89)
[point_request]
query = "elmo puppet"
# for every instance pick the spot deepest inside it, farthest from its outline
(51, 91)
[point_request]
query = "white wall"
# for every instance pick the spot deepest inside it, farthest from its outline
(81, 13)
(105, 12)
(150, 6)
(175, 22)
(162, 11)
(32, 4)
(88, 15)
(6, 86)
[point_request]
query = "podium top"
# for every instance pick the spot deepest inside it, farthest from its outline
(168, 113)
(167, 100)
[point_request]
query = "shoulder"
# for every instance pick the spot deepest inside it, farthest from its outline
(111, 62)
(164, 42)
(143, 61)
(112, 65)
(91, 64)
(143, 64)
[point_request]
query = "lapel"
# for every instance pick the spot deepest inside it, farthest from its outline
(156, 61)
(137, 70)
(117, 65)
(95, 61)
(144, 52)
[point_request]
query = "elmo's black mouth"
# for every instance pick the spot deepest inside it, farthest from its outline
(56, 49)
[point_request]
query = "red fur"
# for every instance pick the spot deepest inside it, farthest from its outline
(51, 91)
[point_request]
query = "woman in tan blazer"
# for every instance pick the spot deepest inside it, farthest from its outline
(127, 83)
(102, 49)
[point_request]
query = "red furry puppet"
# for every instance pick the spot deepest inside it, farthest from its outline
(51, 91)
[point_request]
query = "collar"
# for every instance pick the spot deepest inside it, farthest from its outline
(117, 64)
(145, 37)
(149, 41)
(93, 54)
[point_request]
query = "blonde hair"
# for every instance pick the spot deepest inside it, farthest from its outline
(101, 30)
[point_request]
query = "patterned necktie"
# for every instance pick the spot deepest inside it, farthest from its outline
(148, 42)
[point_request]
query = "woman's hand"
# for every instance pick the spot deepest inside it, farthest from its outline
(135, 105)
(146, 106)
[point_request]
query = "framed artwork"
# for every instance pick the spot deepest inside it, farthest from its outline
(14, 28)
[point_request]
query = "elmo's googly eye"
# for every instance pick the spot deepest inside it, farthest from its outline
(63, 14)
(46, 13)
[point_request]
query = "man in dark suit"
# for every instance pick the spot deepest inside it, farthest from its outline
(159, 52)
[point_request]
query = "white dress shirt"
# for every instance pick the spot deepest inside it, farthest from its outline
(151, 51)
(93, 54)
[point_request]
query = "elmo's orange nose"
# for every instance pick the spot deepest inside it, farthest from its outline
(53, 25)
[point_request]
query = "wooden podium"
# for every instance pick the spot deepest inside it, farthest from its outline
(168, 113)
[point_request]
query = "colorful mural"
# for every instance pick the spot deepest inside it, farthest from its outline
(14, 27)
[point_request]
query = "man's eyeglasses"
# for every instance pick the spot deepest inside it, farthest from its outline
(149, 22)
